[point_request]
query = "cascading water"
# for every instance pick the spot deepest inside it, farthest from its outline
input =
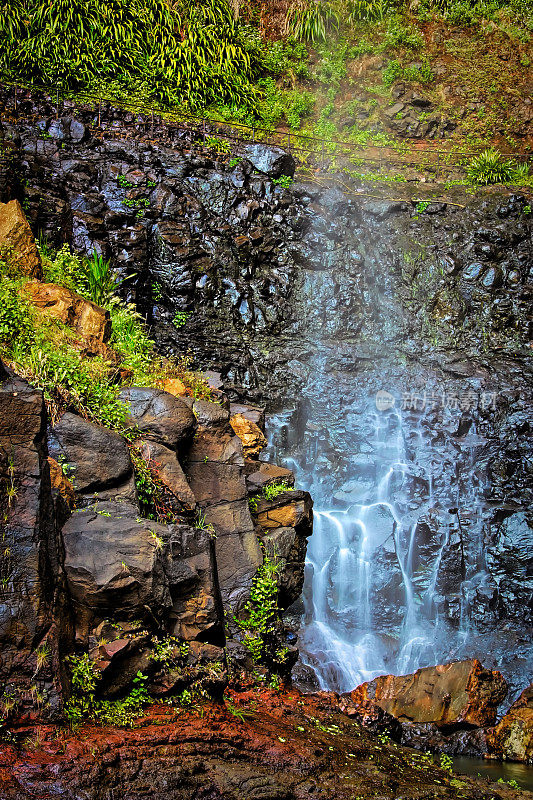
(394, 502)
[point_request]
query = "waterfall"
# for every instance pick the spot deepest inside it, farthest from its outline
(393, 501)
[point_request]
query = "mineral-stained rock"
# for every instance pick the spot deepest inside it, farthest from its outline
(460, 694)
(288, 509)
(254, 414)
(59, 481)
(272, 161)
(175, 386)
(30, 566)
(512, 737)
(114, 564)
(15, 234)
(97, 458)
(169, 471)
(158, 415)
(83, 316)
(252, 437)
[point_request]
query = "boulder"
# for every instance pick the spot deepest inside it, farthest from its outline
(86, 318)
(208, 413)
(114, 565)
(271, 161)
(169, 471)
(252, 437)
(16, 235)
(512, 738)
(452, 696)
(98, 459)
(158, 415)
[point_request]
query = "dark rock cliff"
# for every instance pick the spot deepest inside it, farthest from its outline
(326, 291)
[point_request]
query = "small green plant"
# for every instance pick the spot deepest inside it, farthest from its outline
(233, 162)
(490, 167)
(272, 490)
(180, 318)
(218, 144)
(284, 180)
(123, 182)
(201, 524)
(446, 762)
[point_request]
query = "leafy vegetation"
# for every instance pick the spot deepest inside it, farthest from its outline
(260, 618)
(84, 703)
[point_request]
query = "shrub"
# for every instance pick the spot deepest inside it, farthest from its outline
(84, 704)
(490, 167)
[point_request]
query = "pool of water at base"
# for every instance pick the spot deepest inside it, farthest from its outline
(506, 770)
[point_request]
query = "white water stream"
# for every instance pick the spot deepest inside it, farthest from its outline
(385, 517)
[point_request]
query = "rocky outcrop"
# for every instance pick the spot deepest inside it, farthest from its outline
(252, 437)
(17, 238)
(215, 470)
(512, 738)
(451, 696)
(34, 616)
(114, 565)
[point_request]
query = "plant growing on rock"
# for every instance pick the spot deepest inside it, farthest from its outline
(85, 705)
(260, 620)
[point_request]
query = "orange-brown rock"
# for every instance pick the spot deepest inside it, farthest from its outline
(175, 386)
(287, 511)
(15, 234)
(448, 695)
(512, 738)
(83, 316)
(59, 481)
(252, 437)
